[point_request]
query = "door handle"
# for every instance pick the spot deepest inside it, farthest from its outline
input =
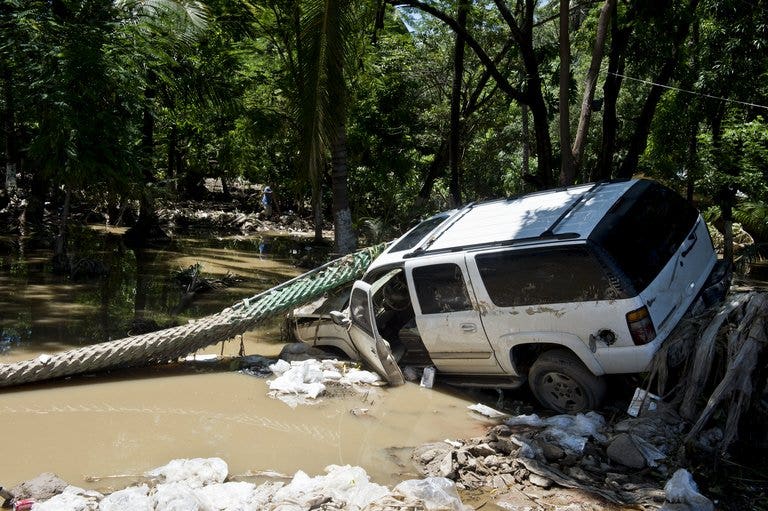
(468, 327)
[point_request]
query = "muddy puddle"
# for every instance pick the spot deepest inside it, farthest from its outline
(100, 432)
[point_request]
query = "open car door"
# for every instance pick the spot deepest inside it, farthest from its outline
(374, 349)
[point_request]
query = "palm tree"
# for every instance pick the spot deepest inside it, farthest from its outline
(323, 49)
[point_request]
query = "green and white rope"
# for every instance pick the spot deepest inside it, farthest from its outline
(170, 344)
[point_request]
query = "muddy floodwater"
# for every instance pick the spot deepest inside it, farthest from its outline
(101, 431)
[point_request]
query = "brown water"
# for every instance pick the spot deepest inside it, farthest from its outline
(89, 429)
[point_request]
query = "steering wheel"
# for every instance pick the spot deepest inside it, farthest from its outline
(395, 295)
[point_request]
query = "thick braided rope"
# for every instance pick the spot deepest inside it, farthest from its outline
(172, 343)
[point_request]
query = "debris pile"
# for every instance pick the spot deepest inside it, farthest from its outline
(235, 221)
(622, 464)
(202, 484)
(714, 365)
(302, 382)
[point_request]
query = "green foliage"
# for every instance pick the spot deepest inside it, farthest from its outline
(258, 90)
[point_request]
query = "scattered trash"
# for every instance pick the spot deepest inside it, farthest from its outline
(189, 484)
(642, 401)
(428, 377)
(682, 489)
(435, 493)
(23, 504)
(487, 411)
(302, 382)
(195, 472)
(567, 431)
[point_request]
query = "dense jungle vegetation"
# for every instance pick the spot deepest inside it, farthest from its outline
(380, 110)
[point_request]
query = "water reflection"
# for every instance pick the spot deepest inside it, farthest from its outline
(41, 311)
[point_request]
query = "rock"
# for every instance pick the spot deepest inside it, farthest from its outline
(42, 487)
(623, 451)
(578, 474)
(481, 450)
(298, 351)
(503, 446)
(496, 463)
(552, 452)
(540, 481)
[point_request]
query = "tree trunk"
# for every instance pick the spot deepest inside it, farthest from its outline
(317, 210)
(639, 139)
(566, 165)
(146, 219)
(173, 141)
(11, 157)
(611, 88)
(590, 82)
(436, 168)
(727, 193)
(535, 97)
(526, 143)
(454, 145)
(60, 247)
(694, 107)
(344, 235)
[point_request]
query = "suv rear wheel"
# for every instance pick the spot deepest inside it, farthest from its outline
(562, 383)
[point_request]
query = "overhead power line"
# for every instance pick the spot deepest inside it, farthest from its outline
(694, 93)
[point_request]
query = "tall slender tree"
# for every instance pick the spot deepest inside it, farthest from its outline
(325, 47)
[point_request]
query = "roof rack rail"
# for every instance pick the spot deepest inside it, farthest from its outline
(550, 231)
(492, 244)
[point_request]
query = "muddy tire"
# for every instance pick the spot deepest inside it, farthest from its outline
(561, 382)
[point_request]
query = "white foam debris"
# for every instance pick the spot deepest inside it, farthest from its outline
(302, 382)
(197, 485)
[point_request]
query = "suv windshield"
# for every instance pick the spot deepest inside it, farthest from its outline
(411, 239)
(644, 229)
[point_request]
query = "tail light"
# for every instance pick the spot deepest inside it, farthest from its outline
(641, 326)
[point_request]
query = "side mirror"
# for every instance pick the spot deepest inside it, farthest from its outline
(340, 319)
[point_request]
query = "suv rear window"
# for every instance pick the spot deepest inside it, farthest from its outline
(557, 275)
(644, 229)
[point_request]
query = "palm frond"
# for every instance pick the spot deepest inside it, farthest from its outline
(754, 217)
(326, 29)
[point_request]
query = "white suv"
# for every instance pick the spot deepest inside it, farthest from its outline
(558, 287)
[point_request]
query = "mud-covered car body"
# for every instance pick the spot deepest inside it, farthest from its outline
(594, 276)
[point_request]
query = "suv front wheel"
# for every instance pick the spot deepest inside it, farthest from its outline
(561, 382)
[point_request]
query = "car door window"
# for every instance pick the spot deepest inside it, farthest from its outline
(440, 288)
(358, 307)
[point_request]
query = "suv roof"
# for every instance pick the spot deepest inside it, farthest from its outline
(565, 213)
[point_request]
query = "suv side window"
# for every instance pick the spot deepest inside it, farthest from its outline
(440, 288)
(558, 275)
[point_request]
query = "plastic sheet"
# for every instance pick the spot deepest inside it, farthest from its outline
(682, 489)
(71, 499)
(135, 498)
(487, 411)
(195, 472)
(433, 492)
(570, 432)
(303, 382)
(348, 486)
(232, 496)
(177, 497)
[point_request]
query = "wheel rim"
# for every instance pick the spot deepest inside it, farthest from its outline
(563, 392)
